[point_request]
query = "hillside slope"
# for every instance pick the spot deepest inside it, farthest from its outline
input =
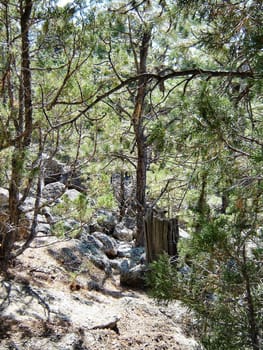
(44, 306)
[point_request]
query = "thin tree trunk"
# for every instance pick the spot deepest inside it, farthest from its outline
(253, 328)
(22, 125)
(137, 119)
(25, 68)
(140, 187)
(122, 199)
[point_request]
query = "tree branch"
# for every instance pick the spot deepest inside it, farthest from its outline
(151, 76)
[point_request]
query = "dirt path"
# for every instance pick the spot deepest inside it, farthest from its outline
(46, 307)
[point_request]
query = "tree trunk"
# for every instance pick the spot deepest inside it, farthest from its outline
(25, 12)
(122, 199)
(138, 126)
(140, 187)
(23, 125)
(253, 327)
(161, 236)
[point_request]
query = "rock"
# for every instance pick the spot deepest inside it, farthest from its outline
(106, 219)
(95, 227)
(53, 171)
(124, 249)
(4, 197)
(40, 310)
(68, 256)
(101, 261)
(143, 259)
(73, 179)
(109, 244)
(70, 225)
(72, 194)
(89, 243)
(122, 233)
(134, 277)
(48, 215)
(117, 264)
(53, 191)
(42, 225)
(129, 222)
(93, 249)
(127, 250)
(184, 234)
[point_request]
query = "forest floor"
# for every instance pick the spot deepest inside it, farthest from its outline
(44, 306)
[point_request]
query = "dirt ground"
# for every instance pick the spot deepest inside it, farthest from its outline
(47, 306)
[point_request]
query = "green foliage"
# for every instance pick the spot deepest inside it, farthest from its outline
(219, 276)
(106, 201)
(161, 279)
(157, 136)
(78, 209)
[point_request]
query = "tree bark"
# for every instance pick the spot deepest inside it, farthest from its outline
(25, 68)
(23, 125)
(253, 327)
(140, 138)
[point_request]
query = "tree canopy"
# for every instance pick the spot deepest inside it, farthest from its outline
(168, 91)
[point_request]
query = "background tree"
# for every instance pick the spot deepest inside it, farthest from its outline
(219, 276)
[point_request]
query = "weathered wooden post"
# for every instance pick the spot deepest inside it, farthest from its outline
(161, 236)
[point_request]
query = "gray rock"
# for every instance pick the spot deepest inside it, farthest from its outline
(122, 233)
(119, 264)
(72, 194)
(48, 215)
(133, 255)
(129, 222)
(28, 206)
(89, 243)
(109, 244)
(125, 250)
(53, 190)
(106, 219)
(53, 170)
(70, 224)
(43, 228)
(93, 249)
(134, 277)
(101, 261)
(4, 197)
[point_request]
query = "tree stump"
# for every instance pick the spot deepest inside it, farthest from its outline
(161, 236)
